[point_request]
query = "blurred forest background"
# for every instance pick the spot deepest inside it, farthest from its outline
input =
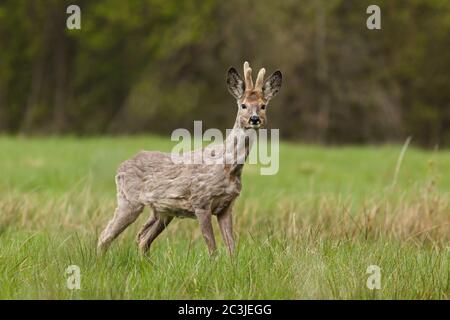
(156, 65)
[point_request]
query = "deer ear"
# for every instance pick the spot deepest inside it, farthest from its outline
(235, 83)
(272, 85)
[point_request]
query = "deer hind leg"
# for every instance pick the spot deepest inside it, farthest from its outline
(145, 228)
(154, 229)
(126, 213)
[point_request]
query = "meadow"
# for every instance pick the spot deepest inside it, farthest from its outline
(308, 232)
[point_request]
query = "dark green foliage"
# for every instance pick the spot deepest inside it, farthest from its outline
(156, 65)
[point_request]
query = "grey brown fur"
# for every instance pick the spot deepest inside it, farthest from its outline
(173, 189)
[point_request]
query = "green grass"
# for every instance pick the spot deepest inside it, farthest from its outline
(309, 231)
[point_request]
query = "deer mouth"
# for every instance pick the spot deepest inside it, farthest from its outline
(253, 126)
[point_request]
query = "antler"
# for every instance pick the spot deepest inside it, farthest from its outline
(248, 77)
(260, 79)
(249, 81)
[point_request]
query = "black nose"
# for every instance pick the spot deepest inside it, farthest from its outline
(254, 120)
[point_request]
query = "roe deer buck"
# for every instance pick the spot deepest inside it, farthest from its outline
(193, 190)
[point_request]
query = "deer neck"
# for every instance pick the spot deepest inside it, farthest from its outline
(237, 147)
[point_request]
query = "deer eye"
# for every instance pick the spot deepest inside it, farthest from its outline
(243, 106)
(263, 107)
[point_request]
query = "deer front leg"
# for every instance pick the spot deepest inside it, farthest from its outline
(204, 218)
(226, 228)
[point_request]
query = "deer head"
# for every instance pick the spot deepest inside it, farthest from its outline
(252, 99)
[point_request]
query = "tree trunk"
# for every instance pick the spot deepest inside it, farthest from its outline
(323, 102)
(60, 70)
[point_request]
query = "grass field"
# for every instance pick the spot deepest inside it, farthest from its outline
(310, 231)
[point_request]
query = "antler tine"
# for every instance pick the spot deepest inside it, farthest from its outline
(248, 76)
(260, 79)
